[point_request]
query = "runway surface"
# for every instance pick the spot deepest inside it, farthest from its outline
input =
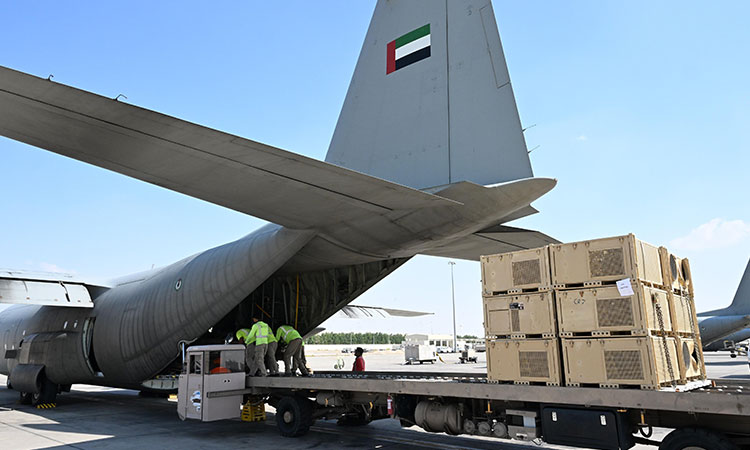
(95, 417)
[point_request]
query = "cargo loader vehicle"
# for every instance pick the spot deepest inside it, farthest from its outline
(709, 416)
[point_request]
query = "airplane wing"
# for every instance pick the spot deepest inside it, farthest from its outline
(491, 241)
(221, 168)
(374, 312)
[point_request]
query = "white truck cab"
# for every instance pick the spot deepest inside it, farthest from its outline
(211, 368)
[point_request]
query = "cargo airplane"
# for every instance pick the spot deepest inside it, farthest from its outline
(722, 328)
(428, 157)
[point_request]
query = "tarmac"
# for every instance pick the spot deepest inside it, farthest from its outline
(95, 417)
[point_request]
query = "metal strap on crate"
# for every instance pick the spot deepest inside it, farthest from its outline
(660, 318)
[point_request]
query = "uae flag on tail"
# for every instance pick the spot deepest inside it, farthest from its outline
(408, 49)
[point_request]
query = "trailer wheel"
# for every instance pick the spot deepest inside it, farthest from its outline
(696, 439)
(293, 416)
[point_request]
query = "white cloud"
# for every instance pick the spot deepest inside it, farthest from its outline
(582, 137)
(54, 268)
(717, 233)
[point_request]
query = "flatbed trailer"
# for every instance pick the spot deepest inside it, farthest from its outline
(714, 417)
(709, 416)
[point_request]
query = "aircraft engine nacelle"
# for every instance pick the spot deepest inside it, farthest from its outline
(58, 354)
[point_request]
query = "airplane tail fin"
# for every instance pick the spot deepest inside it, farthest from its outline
(430, 102)
(741, 302)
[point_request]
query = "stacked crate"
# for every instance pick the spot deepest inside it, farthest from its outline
(519, 317)
(616, 312)
(679, 285)
(615, 295)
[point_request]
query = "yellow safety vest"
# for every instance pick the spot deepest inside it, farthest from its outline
(243, 333)
(287, 334)
(259, 333)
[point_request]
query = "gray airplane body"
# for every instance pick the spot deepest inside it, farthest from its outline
(428, 157)
(730, 324)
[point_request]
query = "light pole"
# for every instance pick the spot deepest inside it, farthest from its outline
(453, 299)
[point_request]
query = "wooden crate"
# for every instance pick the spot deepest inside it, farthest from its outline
(530, 361)
(620, 362)
(602, 311)
(690, 359)
(520, 315)
(516, 271)
(605, 261)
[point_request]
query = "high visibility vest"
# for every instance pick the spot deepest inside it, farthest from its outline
(287, 334)
(243, 333)
(259, 333)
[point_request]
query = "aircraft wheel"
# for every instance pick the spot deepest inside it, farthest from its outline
(25, 398)
(293, 416)
(47, 393)
(695, 439)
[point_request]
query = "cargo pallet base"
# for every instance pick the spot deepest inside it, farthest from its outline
(602, 333)
(664, 387)
(525, 383)
(521, 336)
(518, 291)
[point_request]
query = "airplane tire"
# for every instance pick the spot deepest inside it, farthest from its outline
(25, 398)
(293, 416)
(695, 439)
(47, 393)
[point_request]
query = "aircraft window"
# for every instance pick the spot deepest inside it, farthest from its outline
(196, 364)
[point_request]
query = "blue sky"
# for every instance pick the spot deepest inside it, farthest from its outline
(641, 111)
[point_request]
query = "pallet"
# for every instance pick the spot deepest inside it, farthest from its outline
(686, 335)
(517, 291)
(642, 387)
(607, 333)
(522, 336)
(524, 383)
(598, 283)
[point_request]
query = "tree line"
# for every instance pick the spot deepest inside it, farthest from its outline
(355, 338)
(362, 338)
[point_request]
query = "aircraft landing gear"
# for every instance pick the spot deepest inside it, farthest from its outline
(47, 393)
(25, 398)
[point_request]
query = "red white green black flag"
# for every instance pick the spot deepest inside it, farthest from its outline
(408, 49)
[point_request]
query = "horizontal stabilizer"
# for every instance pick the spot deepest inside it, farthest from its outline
(44, 292)
(374, 312)
(240, 174)
(490, 241)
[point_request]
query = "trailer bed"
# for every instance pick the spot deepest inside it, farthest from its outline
(731, 398)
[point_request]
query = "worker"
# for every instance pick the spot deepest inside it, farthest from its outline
(271, 363)
(259, 335)
(216, 367)
(301, 358)
(243, 335)
(359, 361)
(293, 341)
